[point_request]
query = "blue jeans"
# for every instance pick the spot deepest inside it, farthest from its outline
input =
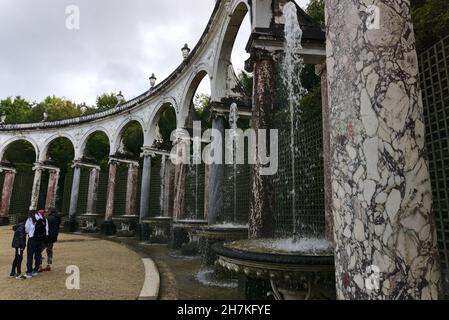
(34, 251)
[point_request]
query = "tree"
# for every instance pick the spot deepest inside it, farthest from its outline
(315, 9)
(16, 110)
(431, 21)
(106, 101)
(56, 108)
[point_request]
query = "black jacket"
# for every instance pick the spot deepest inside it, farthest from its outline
(19, 239)
(54, 222)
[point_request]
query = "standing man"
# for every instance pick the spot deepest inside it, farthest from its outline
(37, 229)
(54, 223)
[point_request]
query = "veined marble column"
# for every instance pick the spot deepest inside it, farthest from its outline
(75, 191)
(131, 189)
(108, 227)
(36, 186)
(329, 220)
(216, 173)
(146, 184)
(111, 190)
(261, 217)
(386, 246)
(8, 185)
(92, 197)
(52, 188)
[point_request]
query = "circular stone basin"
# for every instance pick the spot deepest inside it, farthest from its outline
(157, 219)
(224, 232)
(273, 258)
(189, 223)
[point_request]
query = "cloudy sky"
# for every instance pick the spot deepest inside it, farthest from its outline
(118, 45)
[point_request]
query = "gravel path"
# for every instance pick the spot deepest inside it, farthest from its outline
(107, 271)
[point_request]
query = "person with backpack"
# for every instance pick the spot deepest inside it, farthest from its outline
(37, 229)
(54, 223)
(19, 244)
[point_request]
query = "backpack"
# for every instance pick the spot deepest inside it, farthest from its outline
(40, 232)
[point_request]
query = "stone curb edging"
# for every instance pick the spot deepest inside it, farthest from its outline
(150, 289)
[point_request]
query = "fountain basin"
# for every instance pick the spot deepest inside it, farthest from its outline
(209, 235)
(90, 222)
(127, 225)
(292, 275)
(159, 229)
(184, 235)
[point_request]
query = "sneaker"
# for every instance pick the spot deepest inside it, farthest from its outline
(21, 277)
(35, 273)
(28, 276)
(13, 275)
(47, 269)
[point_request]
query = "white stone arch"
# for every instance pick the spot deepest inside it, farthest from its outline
(237, 11)
(43, 156)
(121, 129)
(155, 116)
(189, 92)
(83, 142)
(10, 141)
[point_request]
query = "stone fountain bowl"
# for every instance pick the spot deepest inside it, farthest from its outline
(226, 232)
(290, 272)
(188, 224)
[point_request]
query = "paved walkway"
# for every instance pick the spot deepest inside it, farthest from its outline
(107, 271)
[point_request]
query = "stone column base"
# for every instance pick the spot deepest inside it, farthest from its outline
(4, 221)
(108, 228)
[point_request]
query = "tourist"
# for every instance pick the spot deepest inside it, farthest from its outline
(19, 244)
(54, 222)
(37, 229)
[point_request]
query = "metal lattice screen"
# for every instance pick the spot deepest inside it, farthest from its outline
(309, 181)
(155, 191)
(2, 178)
(194, 192)
(238, 181)
(434, 77)
(21, 196)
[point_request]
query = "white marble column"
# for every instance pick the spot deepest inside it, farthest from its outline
(92, 197)
(386, 246)
(75, 191)
(146, 184)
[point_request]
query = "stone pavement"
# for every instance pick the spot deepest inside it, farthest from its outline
(107, 271)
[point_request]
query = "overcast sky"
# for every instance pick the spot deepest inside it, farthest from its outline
(119, 44)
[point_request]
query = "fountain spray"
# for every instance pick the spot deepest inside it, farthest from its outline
(292, 66)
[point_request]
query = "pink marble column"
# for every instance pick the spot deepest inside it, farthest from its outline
(131, 189)
(36, 187)
(111, 190)
(50, 201)
(92, 197)
(8, 184)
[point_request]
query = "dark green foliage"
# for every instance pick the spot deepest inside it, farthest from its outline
(431, 21)
(106, 101)
(315, 9)
(133, 139)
